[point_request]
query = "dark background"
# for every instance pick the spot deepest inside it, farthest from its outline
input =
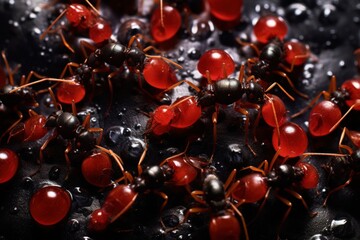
(330, 28)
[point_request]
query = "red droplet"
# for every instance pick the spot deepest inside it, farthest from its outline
(67, 92)
(295, 48)
(186, 113)
(171, 20)
(268, 27)
(50, 205)
(226, 10)
(9, 163)
(100, 31)
(216, 61)
(158, 73)
(311, 176)
(323, 117)
(184, 173)
(118, 201)
(268, 113)
(353, 88)
(245, 190)
(99, 220)
(159, 123)
(293, 140)
(97, 169)
(79, 15)
(224, 226)
(34, 128)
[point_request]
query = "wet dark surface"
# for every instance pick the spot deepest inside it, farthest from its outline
(330, 28)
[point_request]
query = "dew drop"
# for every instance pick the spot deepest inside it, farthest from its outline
(328, 15)
(297, 12)
(74, 225)
(54, 173)
(194, 54)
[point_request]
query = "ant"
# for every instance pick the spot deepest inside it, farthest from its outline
(326, 115)
(271, 30)
(215, 196)
(9, 164)
(176, 170)
(82, 18)
(282, 177)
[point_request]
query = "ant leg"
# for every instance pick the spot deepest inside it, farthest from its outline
(230, 179)
(345, 114)
(53, 99)
(196, 195)
(166, 60)
(250, 44)
(113, 219)
(142, 157)
(67, 45)
(32, 73)
(264, 165)
(281, 88)
(42, 36)
(273, 160)
(214, 121)
(85, 45)
(194, 210)
(325, 94)
(163, 196)
(338, 188)
(8, 69)
(152, 48)
(69, 67)
(289, 70)
(342, 146)
(41, 152)
(298, 196)
(284, 75)
(111, 92)
(86, 122)
(68, 162)
(242, 220)
(92, 7)
(97, 130)
(232, 189)
(176, 155)
(289, 205)
(197, 89)
(254, 169)
(262, 205)
(20, 115)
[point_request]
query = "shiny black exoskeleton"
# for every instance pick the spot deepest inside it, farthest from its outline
(342, 166)
(23, 97)
(230, 90)
(270, 56)
(214, 193)
(284, 175)
(68, 126)
(152, 178)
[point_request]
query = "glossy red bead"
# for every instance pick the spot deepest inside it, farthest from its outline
(171, 20)
(9, 164)
(252, 188)
(226, 10)
(67, 92)
(79, 15)
(323, 117)
(214, 61)
(34, 128)
(353, 88)
(100, 31)
(295, 48)
(50, 205)
(311, 176)
(293, 140)
(186, 113)
(268, 27)
(268, 113)
(97, 169)
(183, 174)
(354, 137)
(119, 200)
(158, 73)
(99, 220)
(224, 226)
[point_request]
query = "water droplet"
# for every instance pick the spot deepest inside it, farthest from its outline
(54, 173)
(81, 197)
(342, 64)
(328, 15)
(181, 59)
(342, 227)
(127, 132)
(14, 210)
(27, 182)
(201, 29)
(297, 12)
(113, 135)
(137, 126)
(318, 237)
(194, 54)
(74, 225)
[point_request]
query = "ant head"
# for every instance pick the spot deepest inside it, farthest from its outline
(67, 125)
(52, 119)
(284, 175)
(154, 177)
(85, 140)
(340, 96)
(136, 58)
(255, 92)
(261, 69)
(206, 96)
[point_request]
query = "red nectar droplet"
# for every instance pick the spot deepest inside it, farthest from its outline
(293, 140)
(226, 10)
(100, 31)
(295, 48)
(353, 88)
(268, 27)
(99, 220)
(50, 205)
(67, 92)
(245, 190)
(186, 113)
(224, 227)
(34, 128)
(323, 117)
(311, 176)
(184, 173)
(159, 74)
(97, 169)
(268, 113)
(216, 61)
(9, 163)
(79, 15)
(171, 20)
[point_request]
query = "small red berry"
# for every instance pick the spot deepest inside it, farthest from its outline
(268, 27)
(100, 31)
(9, 163)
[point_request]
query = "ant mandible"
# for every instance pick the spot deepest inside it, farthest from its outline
(326, 115)
(271, 30)
(215, 196)
(82, 18)
(281, 177)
